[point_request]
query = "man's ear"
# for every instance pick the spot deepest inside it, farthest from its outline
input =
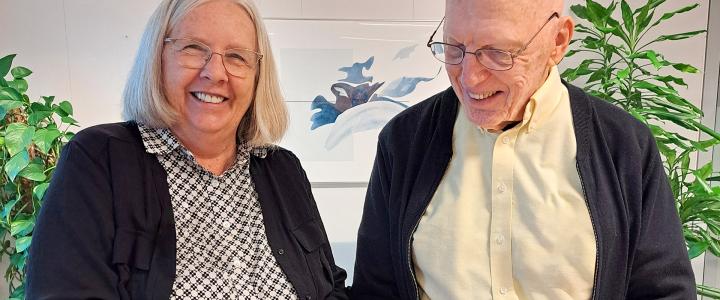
(562, 39)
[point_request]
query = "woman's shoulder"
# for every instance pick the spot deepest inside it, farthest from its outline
(277, 155)
(99, 136)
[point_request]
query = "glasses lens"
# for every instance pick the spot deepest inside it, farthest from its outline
(240, 61)
(448, 54)
(495, 59)
(190, 54)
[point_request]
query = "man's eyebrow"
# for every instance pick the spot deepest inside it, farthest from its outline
(505, 46)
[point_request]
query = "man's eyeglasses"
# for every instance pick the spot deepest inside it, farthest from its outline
(493, 59)
(194, 55)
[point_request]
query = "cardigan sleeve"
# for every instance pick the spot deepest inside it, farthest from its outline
(374, 274)
(660, 268)
(71, 252)
(339, 290)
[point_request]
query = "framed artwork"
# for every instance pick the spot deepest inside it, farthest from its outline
(343, 81)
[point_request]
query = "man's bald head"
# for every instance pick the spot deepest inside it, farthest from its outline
(518, 10)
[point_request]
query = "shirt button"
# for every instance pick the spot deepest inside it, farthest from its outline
(500, 239)
(506, 140)
(503, 291)
(502, 188)
(281, 252)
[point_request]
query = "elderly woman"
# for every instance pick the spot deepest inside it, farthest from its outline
(189, 198)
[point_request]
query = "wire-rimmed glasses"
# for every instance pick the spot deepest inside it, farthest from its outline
(195, 55)
(493, 59)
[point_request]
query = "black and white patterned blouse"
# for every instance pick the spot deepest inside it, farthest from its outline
(222, 249)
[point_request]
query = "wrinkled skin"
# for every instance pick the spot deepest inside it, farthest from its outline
(505, 25)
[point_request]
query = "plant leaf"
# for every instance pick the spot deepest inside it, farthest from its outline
(5, 64)
(624, 73)
(579, 11)
(21, 227)
(9, 93)
(66, 107)
(39, 190)
(16, 164)
(20, 72)
(685, 68)
(697, 248)
(669, 15)
(44, 139)
(68, 120)
(37, 117)
(628, 18)
(7, 208)
(678, 36)
(48, 101)
(19, 85)
(22, 244)
(644, 19)
(34, 172)
(18, 137)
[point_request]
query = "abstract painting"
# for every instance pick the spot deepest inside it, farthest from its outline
(343, 81)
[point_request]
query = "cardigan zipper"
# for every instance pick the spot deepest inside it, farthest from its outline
(409, 260)
(592, 221)
(428, 199)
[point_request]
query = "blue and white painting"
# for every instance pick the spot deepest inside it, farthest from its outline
(358, 104)
(343, 81)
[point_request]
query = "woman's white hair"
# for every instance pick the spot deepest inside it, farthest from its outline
(144, 99)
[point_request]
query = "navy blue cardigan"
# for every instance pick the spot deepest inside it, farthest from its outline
(641, 253)
(106, 228)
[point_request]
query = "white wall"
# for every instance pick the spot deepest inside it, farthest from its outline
(82, 50)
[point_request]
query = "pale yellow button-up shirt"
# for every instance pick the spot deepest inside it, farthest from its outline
(509, 219)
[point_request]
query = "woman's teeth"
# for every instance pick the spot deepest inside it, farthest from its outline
(481, 96)
(208, 98)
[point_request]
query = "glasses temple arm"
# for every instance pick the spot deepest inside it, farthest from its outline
(434, 32)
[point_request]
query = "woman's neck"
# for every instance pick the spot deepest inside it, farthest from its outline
(213, 151)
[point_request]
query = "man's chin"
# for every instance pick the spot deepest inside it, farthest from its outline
(483, 120)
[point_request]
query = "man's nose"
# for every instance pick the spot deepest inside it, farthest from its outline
(473, 72)
(214, 68)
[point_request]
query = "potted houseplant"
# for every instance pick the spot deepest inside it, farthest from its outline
(32, 133)
(620, 66)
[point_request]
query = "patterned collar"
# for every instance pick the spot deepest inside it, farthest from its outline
(161, 141)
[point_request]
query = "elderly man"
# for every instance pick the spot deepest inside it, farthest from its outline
(513, 184)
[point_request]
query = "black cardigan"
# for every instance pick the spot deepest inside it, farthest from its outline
(641, 253)
(106, 227)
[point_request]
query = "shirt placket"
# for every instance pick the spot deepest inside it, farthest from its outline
(501, 220)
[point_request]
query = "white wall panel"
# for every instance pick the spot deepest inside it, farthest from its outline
(103, 37)
(362, 10)
(428, 9)
(341, 210)
(280, 8)
(35, 31)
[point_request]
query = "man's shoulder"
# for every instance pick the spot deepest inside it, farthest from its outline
(425, 114)
(617, 126)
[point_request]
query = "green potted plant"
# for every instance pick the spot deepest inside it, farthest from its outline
(32, 133)
(621, 67)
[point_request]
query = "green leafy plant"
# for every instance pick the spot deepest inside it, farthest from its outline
(621, 67)
(31, 137)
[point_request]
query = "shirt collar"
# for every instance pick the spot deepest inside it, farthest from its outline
(544, 101)
(161, 141)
